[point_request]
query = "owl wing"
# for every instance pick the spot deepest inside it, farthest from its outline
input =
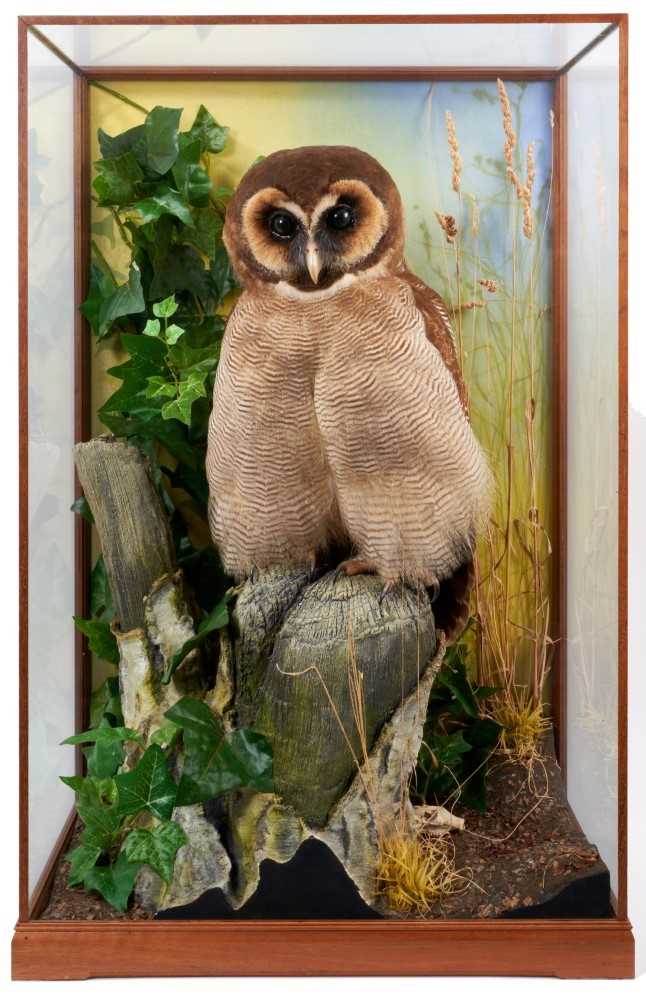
(438, 327)
(451, 607)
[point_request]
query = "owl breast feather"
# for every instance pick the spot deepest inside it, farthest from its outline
(337, 422)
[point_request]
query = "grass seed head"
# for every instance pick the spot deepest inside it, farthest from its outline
(454, 152)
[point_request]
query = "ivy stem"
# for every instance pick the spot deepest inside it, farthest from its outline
(119, 97)
(122, 229)
(101, 257)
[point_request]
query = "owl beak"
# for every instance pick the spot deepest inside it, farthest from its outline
(313, 262)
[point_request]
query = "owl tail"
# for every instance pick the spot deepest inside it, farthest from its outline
(451, 606)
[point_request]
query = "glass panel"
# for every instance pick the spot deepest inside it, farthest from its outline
(324, 44)
(51, 436)
(592, 446)
(404, 125)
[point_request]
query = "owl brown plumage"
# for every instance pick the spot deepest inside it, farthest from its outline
(339, 409)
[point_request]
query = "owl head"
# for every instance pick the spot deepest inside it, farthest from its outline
(305, 218)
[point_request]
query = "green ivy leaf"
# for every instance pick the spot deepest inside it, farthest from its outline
(146, 353)
(131, 141)
(215, 763)
(170, 433)
(173, 333)
(107, 734)
(166, 735)
(101, 290)
(179, 268)
(114, 882)
(152, 328)
(205, 231)
(101, 819)
(211, 135)
(117, 180)
(165, 203)
(166, 308)
(191, 178)
(100, 638)
(100, 594)
(162, 144)
(105, 757)
(456, 680)
(448, 750)
(105, 702)
(82, 508)
(141, 412)
(190, 389)
(124, 300)
(484, 733)
(81, 860)
(158, 388)
(222, 275)
(218, 618)
(147, 358)
(157, 847)
(188, 359)
(148, 786)
(73, 781)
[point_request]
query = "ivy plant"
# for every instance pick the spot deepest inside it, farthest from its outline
(167, 314)
(127, 815)
(458, 740)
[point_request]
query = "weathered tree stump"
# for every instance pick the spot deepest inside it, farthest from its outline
(135, 536)
(295, 677)
(335, 675)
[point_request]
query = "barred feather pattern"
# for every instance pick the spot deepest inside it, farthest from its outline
(337, 420)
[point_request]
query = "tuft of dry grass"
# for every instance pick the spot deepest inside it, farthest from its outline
(412, 873)
(524, 724)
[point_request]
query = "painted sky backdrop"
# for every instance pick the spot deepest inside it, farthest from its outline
(400, 123)
(403, 125)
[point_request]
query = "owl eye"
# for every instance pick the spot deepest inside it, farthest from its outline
(282, 225)
(340, 217)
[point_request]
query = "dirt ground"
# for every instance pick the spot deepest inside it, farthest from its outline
(524, 849)
(521, 852)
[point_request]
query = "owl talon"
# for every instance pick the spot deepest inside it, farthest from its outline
(388, 588)
(356, 566)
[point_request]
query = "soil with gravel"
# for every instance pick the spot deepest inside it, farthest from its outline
(525, 851)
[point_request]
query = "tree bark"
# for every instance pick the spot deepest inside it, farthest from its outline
(130, 519)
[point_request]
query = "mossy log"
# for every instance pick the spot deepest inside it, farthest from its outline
(299, 645)
(336, 675)
(135, 536)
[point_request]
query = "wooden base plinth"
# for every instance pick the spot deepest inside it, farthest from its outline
(577, 949)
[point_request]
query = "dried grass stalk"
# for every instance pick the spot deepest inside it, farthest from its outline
(454, 152)
(507, 124)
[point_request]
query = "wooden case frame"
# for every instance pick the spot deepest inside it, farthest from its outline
(82, 949)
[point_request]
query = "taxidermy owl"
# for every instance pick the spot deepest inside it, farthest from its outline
(339, 420)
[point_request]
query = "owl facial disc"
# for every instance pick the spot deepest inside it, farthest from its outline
(306, 218)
